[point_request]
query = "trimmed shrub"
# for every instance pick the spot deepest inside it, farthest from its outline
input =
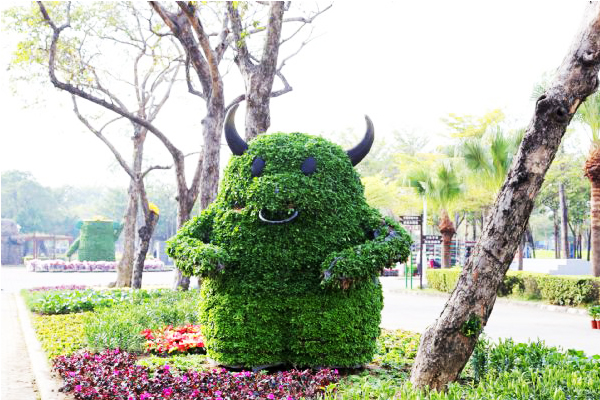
(303, 292)
(444, 279)
(556, 289)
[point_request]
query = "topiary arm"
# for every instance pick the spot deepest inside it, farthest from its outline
(73, 248)
(390, 244)
(191, 248)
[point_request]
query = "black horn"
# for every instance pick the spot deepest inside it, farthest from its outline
(359, 152)
(237, 145)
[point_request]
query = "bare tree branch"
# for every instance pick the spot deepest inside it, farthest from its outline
(100, 136)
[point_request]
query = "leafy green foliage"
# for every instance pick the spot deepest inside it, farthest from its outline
(304, 292)
(60, 334)
(179, 362)
(120, 326)
(443, 279)
(73, 301)
(396, 349)
(556, 289)
(472, 326)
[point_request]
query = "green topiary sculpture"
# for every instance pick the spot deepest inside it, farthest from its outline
(96, 241)
(290, 252)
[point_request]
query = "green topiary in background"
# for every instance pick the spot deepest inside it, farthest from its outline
(290, 252)
(96, 241)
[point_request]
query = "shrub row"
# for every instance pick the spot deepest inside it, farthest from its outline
(556, 289)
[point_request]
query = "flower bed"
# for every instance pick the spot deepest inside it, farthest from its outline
(183, 339)
(87, 266)
(114, 375)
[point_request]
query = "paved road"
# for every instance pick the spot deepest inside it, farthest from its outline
(509, 319)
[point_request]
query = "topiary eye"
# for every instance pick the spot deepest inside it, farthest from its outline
(309, 166)
(257, 166)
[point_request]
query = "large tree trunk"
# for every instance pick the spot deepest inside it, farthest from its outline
(184, 210)
(125, 265)
(258, 78)
(564, 222)
(592, 171)
(447, 230)
(446, 345)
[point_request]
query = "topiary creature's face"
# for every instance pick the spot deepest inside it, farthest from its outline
(282, 178)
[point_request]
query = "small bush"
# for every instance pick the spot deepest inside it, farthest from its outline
(120, 326)
(396, 349)
(563, 290)
(169, 339)
(444, 279)
(60, 334)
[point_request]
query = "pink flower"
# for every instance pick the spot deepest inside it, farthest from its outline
(271, 396)
(78, 388)
(167, 392)
(145, 396)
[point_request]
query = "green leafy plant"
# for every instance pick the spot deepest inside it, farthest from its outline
(594, 312)
(120, 325)
(472, 326)
(60, 334)
(290, 252)
(179, 362)
(73, 301)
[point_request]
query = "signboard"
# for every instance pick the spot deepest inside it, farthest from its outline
(432, 239)
(410, 219)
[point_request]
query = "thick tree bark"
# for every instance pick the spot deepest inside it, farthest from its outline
(125, 265)
(447, 344)
(564, 222)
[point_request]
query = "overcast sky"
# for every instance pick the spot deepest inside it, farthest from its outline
(405, 64)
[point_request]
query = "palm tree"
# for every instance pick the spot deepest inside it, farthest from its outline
(441, 187)
(589, 114)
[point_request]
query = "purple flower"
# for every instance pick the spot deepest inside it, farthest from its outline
(145, 396)
(167, 392)
(78, 388)
(271, 396)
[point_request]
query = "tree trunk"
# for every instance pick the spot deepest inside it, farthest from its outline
(125, 265)
(589, 244)
(184, 210)
(446, 345)
(258, 78)
(556, 235)
(145, 234)
(595, 228)
(447, 230)
(520, 253)
(564, 227)
(474, 228)
(592, 171)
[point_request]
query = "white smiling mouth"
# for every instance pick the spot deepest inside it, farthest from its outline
(277, 221)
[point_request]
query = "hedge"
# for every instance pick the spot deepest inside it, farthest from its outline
(556, 289)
